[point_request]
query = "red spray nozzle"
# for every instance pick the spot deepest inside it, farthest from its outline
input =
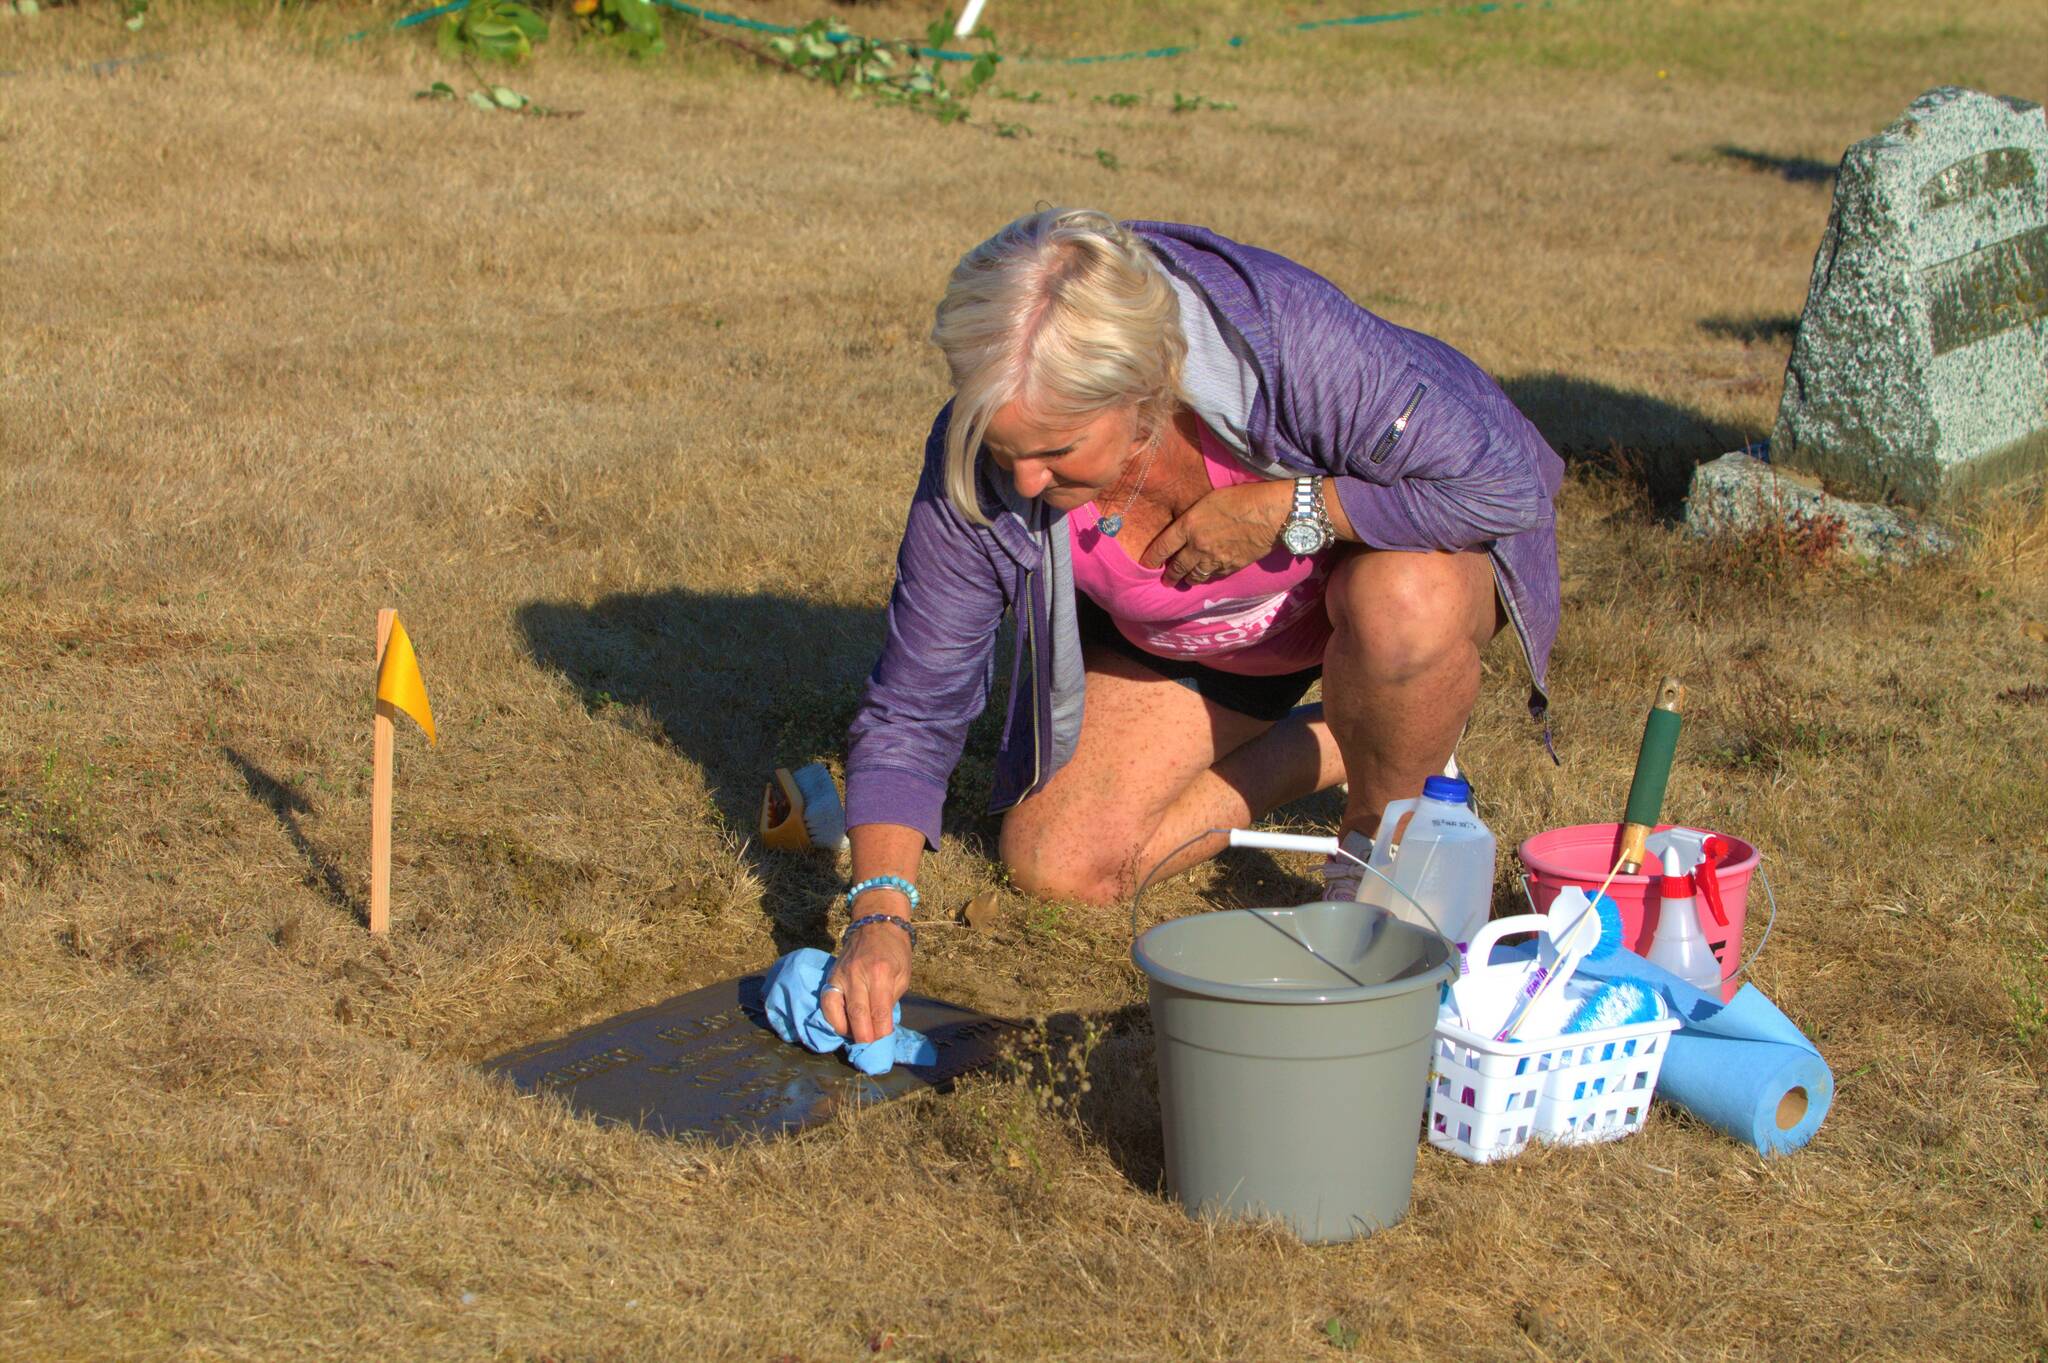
(1713, 852)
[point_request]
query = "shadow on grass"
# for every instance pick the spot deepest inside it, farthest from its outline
(287, 803)
(738, 684)
(1119, 1107)
(1798, 170)
(1614, 431)
(1259, 880)
(1750, 330)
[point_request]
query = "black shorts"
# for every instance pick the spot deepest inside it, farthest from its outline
(1267, 698)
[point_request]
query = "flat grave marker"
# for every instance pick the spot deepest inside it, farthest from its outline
(706, 1064)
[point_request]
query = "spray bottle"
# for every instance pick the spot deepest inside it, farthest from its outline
(1679, 946)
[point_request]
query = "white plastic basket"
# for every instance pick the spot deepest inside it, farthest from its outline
(1488, 1099)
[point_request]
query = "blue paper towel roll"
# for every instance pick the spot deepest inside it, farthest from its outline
(1741, 1067)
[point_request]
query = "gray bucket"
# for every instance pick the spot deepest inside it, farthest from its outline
(1293, 1050)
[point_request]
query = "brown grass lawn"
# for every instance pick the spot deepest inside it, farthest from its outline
(622, 411)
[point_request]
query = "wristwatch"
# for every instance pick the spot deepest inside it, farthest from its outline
(1308, 529)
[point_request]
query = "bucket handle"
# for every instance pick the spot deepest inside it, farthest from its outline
(1146, 883)
(1529, 893)
(1282, 840)
(1769, 923)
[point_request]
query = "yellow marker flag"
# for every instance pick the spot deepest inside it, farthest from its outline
(399, 681)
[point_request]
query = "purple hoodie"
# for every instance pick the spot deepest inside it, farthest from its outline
(1425, 450)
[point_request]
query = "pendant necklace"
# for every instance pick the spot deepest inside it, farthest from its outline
(1114, 522)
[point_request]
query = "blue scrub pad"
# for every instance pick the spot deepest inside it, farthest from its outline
(1617, 1003)
(790, 996)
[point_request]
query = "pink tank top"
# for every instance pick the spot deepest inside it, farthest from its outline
(1262, 620)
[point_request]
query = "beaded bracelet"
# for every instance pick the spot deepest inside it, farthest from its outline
(898, 883)
(897, 919)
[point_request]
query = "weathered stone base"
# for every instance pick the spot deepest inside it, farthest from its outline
(1739, 494)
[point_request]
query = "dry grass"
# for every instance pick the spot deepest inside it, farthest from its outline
(621, 411)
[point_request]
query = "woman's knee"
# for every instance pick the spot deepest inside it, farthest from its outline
(1049, 861)
(1401, 617)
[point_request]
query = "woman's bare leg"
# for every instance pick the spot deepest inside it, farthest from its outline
(1401, 673)
(1155, 764)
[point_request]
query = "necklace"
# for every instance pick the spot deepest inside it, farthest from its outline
(1111, 524)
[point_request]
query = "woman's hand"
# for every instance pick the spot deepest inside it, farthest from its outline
(1225, 530)
(873, 973)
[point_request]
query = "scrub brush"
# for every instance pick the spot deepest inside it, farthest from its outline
(800, 809)
(1573, 947)
(1620, 1002)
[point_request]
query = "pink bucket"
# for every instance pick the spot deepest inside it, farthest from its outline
(1583, 854)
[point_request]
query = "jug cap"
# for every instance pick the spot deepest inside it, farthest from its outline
(1450, 790)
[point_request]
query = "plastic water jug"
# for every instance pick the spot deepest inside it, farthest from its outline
(1442, 870)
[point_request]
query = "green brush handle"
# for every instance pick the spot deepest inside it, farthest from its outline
(1653, 768)
(1653, 773)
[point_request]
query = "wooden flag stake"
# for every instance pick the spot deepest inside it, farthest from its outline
(380, 794)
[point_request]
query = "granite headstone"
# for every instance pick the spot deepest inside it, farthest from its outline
(1921, 364)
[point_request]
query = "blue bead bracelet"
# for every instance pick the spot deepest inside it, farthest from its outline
(897, 919)
(908, 890)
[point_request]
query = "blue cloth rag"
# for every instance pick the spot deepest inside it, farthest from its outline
(1742, 1067)
(790, 996)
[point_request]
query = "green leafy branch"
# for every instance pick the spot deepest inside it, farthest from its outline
(890, 69)
(500, 30)
(1182, 104)
(133, 12)
(634, 26)
(489, 96)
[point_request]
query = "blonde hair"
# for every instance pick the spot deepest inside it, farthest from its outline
(1066, 308)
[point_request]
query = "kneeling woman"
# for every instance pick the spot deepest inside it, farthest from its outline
(1199, 477)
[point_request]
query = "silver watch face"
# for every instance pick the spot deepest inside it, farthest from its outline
(1302, 538)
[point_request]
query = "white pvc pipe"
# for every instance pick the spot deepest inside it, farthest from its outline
(969, 17)
(1282, 842)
